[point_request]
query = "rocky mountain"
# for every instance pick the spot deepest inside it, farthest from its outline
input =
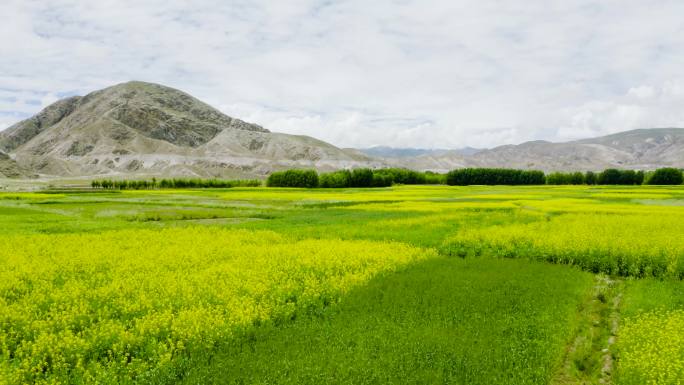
(9, 168)
(636, 149)
(147, 129)
(144, 128)
(397, 152)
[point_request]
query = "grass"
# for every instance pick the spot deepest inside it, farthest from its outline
(256, 285)
(447, 321)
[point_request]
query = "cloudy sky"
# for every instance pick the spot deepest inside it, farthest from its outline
(434, 74)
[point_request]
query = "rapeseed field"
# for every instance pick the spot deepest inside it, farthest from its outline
(407, 284)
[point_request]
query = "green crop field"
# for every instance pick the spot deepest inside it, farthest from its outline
(396, 285)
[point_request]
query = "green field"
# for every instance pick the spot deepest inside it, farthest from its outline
(407, 284)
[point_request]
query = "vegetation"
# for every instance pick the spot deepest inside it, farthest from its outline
(293, 178)
(445, 321)
(590, 178)
(653, 348)
(407, 284)
(361, 177)
(377, 178)
(666, 176)
(112, 308)
(494, 176)
(404, 176)
(650, 349)
(613, 176)
(560, 178)
(174, 183)
(337, 179)
(364, 177)
(625, 245)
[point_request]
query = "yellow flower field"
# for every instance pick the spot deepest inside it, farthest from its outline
(121, 303)
(652, 349)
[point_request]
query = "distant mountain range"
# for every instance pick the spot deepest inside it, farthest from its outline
(145, 129)
(635, 149)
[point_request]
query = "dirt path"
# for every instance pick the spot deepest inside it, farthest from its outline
(589, 356)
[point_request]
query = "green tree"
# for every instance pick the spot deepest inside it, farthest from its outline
(666, 176)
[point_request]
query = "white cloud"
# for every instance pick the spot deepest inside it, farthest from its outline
(357, 73)
(641, 92)
(641, 107)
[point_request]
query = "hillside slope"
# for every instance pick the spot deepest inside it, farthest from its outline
(144, 128)
(9, 168)
(636, 149)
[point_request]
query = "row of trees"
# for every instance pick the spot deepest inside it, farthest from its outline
(661, 176)
(666, 176)
(365, 177)
(293, 178)
(494, 176)
(607, 177)
(405, 176)
(502, 176)
(154, 183)
(360, 177)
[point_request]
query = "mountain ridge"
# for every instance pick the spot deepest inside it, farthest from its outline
(635, 149)
(147, 129)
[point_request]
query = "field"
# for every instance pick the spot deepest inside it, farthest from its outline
(407, 284)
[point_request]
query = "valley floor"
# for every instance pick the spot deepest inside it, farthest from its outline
(409, 284)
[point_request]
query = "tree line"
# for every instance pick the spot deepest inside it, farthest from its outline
(612, 176)
(360, 177)
(365, 177)
(494, 176)
(154, 183)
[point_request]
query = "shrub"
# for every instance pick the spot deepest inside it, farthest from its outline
(293, 178)
(666, 176)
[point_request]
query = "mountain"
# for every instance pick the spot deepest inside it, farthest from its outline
(9, 168)
(394, 152)
(144, 128)
(636, 149)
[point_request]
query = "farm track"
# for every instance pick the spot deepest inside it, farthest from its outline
(589, 357)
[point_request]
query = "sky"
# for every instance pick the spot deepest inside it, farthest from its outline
(427, 74)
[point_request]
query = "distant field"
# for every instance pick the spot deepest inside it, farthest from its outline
(423, 284)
